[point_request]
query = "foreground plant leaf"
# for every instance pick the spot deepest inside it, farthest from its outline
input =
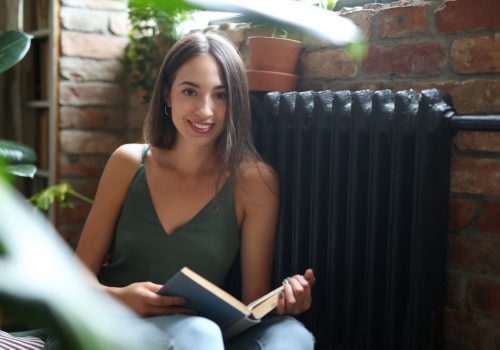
(44, 285)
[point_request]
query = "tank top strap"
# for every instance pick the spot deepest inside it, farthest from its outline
(145, 151)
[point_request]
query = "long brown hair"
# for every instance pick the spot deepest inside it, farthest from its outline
(235, 143)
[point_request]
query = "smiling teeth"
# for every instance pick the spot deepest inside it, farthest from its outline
(204, 127)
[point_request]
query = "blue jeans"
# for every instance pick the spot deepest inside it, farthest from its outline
(273, 333)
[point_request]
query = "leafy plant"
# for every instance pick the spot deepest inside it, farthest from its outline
(153, 33)
(60, 193)
(43, 284)
(13, 47)
(18, 159)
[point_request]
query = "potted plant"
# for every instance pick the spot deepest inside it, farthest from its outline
(272, 63)
(273, 60)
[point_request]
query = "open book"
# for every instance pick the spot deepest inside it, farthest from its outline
(210, 301)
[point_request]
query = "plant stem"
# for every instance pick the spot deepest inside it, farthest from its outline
(81, 196)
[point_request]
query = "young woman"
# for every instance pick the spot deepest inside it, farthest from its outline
(195, 195)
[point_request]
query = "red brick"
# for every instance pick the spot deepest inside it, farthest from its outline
(86, 186)
(327, 63)
(406, 60)
(71, 165)
(461, 212)
(473, 254)
(470, 331)
(136, 116)
(92, 118)
(82, 20)
(489, 217)
(473, 96)
(88, 142)
(134, 136)
(466, 15)
(75, 214)
(454, 289)
(459, 256)
(484, 296)
(476, 55)
(91, 94)
(119, 23)
(71, 234)
(482, 141)
(363, 19)
(93, 45)
(475, 175)
(87, 69)
(398, 22)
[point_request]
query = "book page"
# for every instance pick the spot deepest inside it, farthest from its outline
(265, 304)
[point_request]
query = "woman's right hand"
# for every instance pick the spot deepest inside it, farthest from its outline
(142, 298)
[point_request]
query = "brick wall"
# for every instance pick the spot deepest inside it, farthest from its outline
(92, 97)
(452, 45)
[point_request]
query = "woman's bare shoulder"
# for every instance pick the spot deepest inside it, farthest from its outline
(125, 160)
(258, 180)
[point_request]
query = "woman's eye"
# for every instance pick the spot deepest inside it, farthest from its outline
(221, 96)
(189, 92)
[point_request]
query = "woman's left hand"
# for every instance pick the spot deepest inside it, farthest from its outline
(296, 297)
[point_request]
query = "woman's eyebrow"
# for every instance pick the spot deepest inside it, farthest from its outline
(190, 83)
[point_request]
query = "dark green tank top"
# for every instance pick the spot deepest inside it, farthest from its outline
(142, 251)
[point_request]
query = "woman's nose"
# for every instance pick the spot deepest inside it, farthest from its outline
(205, 107)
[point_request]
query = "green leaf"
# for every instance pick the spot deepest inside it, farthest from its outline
(16, 153)
(327, 25)
(45, 286)
(13, 47)
(327, 4)
(357, 50)
(23, 170)
(60, 193)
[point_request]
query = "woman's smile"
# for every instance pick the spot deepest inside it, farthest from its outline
(201, 128)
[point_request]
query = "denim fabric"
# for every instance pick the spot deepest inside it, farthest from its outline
(273, 333)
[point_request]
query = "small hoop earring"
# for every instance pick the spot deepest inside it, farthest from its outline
(166, 112)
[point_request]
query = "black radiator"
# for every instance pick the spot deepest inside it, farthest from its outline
(364, 182)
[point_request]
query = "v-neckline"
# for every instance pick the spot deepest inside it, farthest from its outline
(188, 222)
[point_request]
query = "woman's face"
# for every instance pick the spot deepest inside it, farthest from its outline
(198, 101)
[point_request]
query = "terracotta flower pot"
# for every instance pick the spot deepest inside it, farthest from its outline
(272, 63)
(274, 54)
(259, 80)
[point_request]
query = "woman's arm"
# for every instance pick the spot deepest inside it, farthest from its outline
(258, 196)
(98, 231)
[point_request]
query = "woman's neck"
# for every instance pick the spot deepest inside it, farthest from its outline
(188, 161)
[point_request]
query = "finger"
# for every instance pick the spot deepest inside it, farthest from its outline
(309, 276)
(300, 293)
(290, 300)
(153, 287)
(280, 306)
(302, 280)
(161, 300)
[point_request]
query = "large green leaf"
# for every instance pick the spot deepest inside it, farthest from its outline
(23, 170)
(16, 153)
(327, 25)
(17, 159)
(44, 285)
(13, 47)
